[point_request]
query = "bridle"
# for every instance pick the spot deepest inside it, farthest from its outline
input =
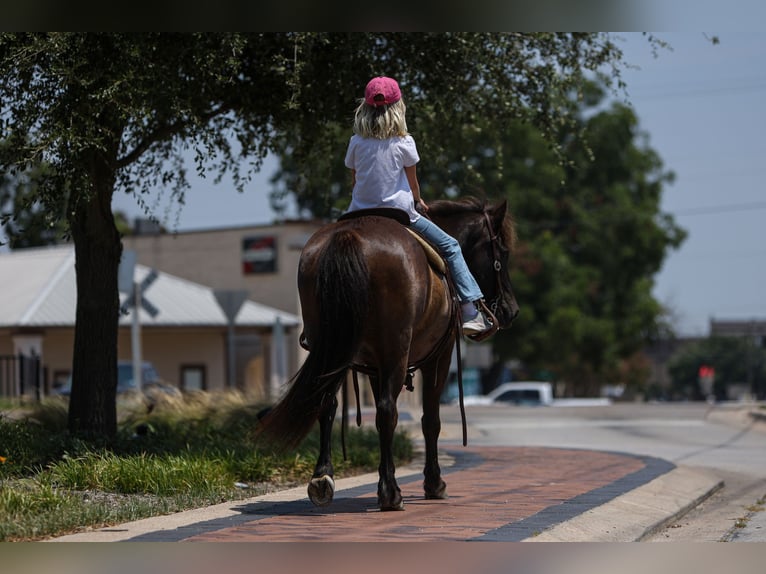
(494, 239)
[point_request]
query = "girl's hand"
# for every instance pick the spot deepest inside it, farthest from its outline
(423, 205)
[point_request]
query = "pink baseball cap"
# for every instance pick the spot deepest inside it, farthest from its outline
(382, 86)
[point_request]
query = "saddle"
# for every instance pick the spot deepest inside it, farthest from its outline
(434, 258)
(391, 212)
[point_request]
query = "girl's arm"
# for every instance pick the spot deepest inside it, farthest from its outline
(412, 179)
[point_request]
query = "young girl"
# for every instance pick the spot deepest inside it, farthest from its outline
(382, 157)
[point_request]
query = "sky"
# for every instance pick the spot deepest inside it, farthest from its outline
(702, 108)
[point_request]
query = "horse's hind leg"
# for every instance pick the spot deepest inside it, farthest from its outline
(434, 377)
(321, 487)
(386, 390)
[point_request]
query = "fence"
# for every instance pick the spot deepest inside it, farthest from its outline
(20, 375)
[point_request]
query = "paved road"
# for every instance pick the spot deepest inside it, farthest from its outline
(723, 441)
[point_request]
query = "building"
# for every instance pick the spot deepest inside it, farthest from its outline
(190, 347)
(753, 328)
(259, 260)
(189, 339)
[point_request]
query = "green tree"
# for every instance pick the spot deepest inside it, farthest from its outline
(598, 239)
(108, 111)
(592, 237)
(460, 89)
(25, 222)
(735, 360)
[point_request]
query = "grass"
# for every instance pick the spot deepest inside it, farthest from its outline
(743, 521)
(759, 506)
(184, 454)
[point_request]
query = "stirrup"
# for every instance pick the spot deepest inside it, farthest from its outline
(489, 316)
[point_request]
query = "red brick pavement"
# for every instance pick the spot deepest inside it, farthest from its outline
(505, 486)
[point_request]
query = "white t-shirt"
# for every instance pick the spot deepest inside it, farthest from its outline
(380, 177)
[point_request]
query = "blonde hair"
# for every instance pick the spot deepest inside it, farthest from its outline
(381, 122)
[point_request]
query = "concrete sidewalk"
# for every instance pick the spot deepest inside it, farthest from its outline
(504, 494)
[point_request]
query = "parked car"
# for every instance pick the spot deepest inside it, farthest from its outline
(527, 393)
(151, 382)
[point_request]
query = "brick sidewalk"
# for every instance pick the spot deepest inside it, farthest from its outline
(496, 494)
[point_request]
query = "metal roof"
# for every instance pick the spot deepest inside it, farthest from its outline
(38, 289)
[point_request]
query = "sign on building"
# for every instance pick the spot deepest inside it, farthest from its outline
(259, 254)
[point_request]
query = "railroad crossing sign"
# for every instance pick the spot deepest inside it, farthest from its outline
(141, 288)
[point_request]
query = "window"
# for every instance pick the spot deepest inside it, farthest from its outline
(520, 397)
(193, 378)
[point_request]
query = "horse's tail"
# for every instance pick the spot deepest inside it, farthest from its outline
(341, 297)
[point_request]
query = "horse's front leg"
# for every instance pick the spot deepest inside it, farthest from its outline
(322, 486)
(386, 419)
(434, 377)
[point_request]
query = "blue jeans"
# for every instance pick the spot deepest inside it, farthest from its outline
(467, 288)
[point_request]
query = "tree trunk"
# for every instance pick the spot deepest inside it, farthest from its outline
(98, 248)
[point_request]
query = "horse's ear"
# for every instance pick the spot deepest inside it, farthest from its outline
(498, 213)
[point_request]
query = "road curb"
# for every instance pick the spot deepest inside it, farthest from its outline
(636, 515)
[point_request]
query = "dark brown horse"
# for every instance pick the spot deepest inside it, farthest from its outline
(371, 302)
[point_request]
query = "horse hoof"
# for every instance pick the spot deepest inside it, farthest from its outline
(321, 490)
(386, 508)
(391, 503)
(438, 493)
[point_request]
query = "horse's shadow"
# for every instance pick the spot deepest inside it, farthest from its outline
(304, 507)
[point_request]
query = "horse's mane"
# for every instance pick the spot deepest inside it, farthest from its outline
(451, 206)
(471, 204)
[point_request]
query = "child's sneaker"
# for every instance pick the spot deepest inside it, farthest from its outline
(476, 325)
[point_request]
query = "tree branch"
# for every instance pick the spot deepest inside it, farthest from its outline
(162, 132)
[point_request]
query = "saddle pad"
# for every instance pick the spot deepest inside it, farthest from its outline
(436, 260)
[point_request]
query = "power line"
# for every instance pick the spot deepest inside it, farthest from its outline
(693, 92)
(713, 209)
(709, 210)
